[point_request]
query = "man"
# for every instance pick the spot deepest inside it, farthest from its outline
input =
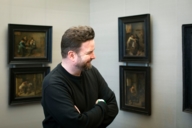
(21, 47)
(32, 45)
(75, 95)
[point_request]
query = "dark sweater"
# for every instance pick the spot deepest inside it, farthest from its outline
(61, 91)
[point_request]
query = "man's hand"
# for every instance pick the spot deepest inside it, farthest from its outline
(77, 109)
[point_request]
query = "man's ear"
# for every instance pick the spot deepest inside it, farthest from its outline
(71, 55)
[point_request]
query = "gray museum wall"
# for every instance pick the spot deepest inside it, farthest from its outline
(167, 18)
(166, 64)
(61, 14)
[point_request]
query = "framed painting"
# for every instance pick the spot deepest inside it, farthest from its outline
(134, 38)
(26, 84)
(187, 67)
(29, 44)
(135, 89)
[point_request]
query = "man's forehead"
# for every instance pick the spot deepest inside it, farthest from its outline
(88, 46)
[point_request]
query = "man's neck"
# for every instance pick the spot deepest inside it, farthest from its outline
(70, 68)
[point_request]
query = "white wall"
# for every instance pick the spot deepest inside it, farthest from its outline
(166, 65)
(61, 14)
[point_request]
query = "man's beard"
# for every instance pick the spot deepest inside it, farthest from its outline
(84, 66)
(87, 66)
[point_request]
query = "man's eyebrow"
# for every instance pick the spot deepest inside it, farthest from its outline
(89, 52)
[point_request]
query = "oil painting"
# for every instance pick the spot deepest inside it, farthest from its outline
(134, 38)
(29, 44)
(26, 84)
(135, 89)
(187, 67)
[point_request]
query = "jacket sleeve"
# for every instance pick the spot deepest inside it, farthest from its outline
(58, 104)
(108, 95)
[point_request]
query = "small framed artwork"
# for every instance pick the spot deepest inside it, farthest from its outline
(187, 67)
(134, 38)
(29, 44)
(135, 89)
(26, 84)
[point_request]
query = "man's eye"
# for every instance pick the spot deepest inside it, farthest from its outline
(89, 53)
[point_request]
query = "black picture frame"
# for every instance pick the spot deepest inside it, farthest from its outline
(29, 44)
(26, 84)
(135, 89)
(134, 38)
(187, 67)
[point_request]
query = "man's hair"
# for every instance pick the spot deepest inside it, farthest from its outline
(74, 37)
